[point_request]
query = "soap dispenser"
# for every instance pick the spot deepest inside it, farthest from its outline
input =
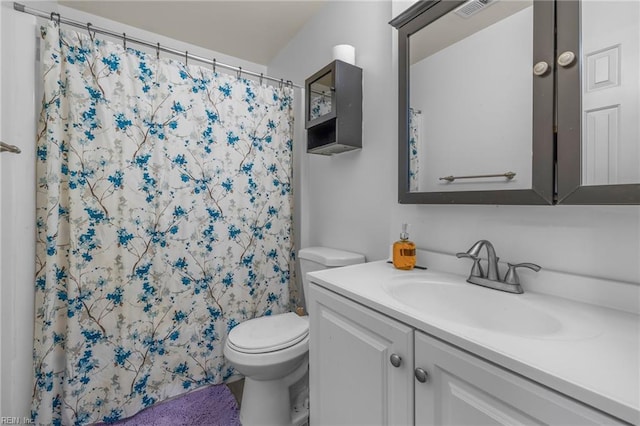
(404, 251)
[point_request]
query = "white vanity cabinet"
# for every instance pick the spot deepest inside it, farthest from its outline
(353, 380)
(462, 389)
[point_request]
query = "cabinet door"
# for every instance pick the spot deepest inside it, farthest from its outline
(462, 389)
(351, 378)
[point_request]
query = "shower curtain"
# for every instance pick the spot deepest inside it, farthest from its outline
(164, 219)
(415, 130)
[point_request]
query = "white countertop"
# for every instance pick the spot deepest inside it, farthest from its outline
(594, 359)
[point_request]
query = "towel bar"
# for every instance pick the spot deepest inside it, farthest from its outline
(9, 148)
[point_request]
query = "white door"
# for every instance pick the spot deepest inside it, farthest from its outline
(610, 36)
(462, 389)
(352, 379)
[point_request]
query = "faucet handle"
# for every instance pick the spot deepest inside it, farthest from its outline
(512, 275)
(476, 269)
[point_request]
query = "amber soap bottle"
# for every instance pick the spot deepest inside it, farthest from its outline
(404, 251)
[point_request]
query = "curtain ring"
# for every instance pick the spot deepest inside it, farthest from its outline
(239, 72)
(186, 57)
(214, 65)
(57, 20)
(289, 83)
(124, 41)
(261, 76)
(57, 15)
(158, 51)
(281, 82)
(89, 30)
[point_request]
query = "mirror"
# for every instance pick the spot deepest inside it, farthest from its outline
(475, 68)
(503, 106)
(598, 102)
(320, 97)
(476, 120)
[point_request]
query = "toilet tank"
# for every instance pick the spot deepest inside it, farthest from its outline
(317, 258)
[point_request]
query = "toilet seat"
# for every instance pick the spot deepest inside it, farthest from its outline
(269, 333)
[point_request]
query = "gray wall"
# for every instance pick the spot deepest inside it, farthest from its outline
(349, 201)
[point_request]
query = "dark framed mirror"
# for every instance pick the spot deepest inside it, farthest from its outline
(519, 102)
(475, 122)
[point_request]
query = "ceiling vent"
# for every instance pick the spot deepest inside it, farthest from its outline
(472, 7)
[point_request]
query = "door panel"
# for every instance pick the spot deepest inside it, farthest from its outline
(352, 381)
(465, 390)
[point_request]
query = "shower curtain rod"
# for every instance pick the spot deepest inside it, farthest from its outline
(90, 28)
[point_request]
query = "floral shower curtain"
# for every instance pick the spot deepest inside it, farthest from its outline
(164, 219)
(415, 130)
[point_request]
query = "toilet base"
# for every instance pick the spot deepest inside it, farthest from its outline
(300, 403)
(269, 402)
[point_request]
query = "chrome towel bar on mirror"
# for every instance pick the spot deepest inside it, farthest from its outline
(508, 175)
(9, 148)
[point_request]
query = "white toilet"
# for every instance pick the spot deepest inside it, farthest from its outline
(272, 353)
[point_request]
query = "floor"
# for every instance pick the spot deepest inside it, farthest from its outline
(236, 389)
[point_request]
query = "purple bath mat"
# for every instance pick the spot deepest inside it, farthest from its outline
(211, 406)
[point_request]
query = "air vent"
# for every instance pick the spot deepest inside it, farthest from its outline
(472, 7)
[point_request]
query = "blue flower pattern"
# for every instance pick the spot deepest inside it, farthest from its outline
(415, 121)
(164, 219)
(320, 105)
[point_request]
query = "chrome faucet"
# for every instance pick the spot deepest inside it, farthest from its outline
(491, 279)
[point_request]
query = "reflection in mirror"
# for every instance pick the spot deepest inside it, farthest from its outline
(415, 138)
(610, 41)
(471, 97)
(321, 97)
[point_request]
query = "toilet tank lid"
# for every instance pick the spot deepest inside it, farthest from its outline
(330, 257)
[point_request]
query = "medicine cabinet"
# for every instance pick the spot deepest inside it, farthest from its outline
(519, 102)
(333, 109)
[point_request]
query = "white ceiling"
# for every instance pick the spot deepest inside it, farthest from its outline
(251, 30)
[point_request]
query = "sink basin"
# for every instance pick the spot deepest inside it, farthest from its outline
(474, 306)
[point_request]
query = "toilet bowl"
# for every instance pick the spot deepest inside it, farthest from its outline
(272, 353)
